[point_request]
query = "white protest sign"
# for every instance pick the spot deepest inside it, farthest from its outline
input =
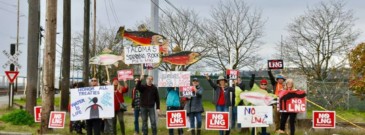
(254, 116)
(174, 79)
(92, 102)
(141, 54)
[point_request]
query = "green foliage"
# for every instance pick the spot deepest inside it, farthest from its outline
(357, 63)
(18, 117)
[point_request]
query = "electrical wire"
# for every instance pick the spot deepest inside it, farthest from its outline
(107, 14)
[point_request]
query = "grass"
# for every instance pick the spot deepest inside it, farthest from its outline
(353, 116)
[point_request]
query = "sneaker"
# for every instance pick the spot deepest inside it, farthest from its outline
(135, 133)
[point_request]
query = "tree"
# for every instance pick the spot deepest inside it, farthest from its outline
(319, 37)
(49, 64)
(357, 63)
(233, 33)
(66, 55)
(184, 33)
(33, 48)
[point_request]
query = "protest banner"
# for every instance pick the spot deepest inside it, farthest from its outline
(141, 54)
(324, 119)
(275, 64)
(292, 101)
(176, 119)
(92, 102)
(174, 79)
(125, 74)
(232, 74)
(37, 113)
(57, 119)
(217, 120)
(187, 91)
(254, 116)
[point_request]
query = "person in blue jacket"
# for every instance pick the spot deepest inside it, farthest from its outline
(173, 103)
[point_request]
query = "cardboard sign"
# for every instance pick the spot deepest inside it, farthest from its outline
(37, 113)
(292, 101)
(324, 119)
(275, 64)
(217, 121)
(254, 116)
(141, 54)
(174, 79)
(57, 119)
(147, 66)
(187, 91)
(92, 102)
(232, 74)
(176, 119)
(125, 74)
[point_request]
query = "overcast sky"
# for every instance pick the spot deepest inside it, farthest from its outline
(277, 13)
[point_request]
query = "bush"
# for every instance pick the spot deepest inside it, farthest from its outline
(18, 117)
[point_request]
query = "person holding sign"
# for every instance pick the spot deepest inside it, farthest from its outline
(277, 84)
(194, 108)
(221, 97)
(149, 97)
(94, 125)
(289, 86)
(173, 103)
(136, 100)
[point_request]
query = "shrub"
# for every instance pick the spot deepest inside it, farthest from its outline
(18, 117)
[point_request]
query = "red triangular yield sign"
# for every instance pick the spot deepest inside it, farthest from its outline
(11, 75)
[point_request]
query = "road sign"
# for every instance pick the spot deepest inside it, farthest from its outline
(12, 59)
(11, 75)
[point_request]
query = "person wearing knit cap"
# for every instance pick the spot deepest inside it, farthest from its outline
(277, 84)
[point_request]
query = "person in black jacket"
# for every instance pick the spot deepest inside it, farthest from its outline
(194, 108)
(149, 97)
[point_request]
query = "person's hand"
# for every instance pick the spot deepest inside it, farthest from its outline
(207, 76)
(132, 109)
(194, 89)
(158, 110)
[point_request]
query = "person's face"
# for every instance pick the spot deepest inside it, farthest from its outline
(280, 81)
(289, 85)
(222, 82)
(115, 82)
(239, 80)
(195, 83)
(263, 86)
(94, 82)
(149, 80)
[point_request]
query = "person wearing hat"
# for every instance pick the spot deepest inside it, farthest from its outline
(222, 96)
(110, 124)
(194, 108)
(277, 84)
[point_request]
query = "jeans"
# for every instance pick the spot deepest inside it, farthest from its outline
(93, 126)
(108, 126)
(136, 123)
(171, 131)
(198, 117)
(145, 113)
(284, 117)
(234, 117)
(222, 108)
(120, 115)
(263, 131)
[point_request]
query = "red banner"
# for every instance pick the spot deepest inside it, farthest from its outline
(324, 119)
(125, 74)
(292, 101)
(217, 120)
(57, 119)
(275, 64)
(37, 113)
(187, 91)
(176, 119)
(232, 74)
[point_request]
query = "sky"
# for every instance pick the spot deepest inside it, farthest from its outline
(276, 13)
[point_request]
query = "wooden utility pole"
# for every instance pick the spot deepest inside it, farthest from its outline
(86, 47)
(94, 40)
(66, 55)
(32, 57)
(49, 64)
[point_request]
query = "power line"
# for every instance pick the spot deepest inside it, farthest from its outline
(4, 9)
(12, 5)
(111, 5)
(107, 13)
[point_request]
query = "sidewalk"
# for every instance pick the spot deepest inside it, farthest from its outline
(4, 100)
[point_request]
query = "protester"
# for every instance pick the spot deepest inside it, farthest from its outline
(173, 103)
(289, 86)
(77, 125)
(136, 107)
(93, 126)
(277, 84)
(194, 108)
(149, 97)
(222, 96)
(263, 89)
(111, 123)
